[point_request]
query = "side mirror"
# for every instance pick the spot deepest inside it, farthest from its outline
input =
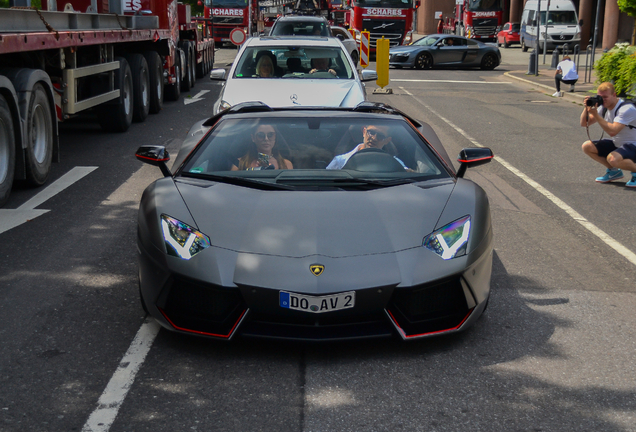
(156, 156)
(368, 75)
(217, 74)
(472, 157)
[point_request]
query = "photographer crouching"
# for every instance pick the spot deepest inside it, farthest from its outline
(618, 119)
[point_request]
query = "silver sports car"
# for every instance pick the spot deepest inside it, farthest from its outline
(292, 71)
(445, 50)
(314, 224)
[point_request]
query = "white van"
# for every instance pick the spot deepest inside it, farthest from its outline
(563, 25)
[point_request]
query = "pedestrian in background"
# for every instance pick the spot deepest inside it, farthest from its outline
(440, 26)
(618, 119)
(566, 73)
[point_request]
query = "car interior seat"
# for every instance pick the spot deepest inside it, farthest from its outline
(295, 65)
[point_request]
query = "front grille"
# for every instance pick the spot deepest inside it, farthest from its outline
(485, 31)
(222, 32)
(393, 30)
(429, 308)
(561, 38)
(195, 306)
(228, 20)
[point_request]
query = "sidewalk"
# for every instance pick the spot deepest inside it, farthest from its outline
(545, 78)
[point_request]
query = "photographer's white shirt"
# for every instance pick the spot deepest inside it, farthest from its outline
(568, 70)
(626, 115)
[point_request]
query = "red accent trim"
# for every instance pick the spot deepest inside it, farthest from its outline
(405, 336)
(152, 159)
(200, 332)
(474, 160)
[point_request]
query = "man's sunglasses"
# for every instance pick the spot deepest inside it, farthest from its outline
(375, 133)
(261, 135)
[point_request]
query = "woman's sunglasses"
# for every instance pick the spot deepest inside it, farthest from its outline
(261, 135)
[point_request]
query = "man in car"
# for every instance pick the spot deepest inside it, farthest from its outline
(618, 119)
(321, 65)
(374, 137)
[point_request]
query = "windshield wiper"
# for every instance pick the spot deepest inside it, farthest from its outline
(240, 181)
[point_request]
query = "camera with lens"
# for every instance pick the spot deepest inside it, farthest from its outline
(594, 100)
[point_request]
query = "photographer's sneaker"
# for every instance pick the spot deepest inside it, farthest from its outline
(611, 175)
(557, 94)
(632, 182)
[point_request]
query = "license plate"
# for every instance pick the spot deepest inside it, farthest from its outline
(317, 304)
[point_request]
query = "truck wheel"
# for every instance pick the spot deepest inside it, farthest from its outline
(118, 117)
(173, 91)
(39, 137)
(200, 67)
(186, 84)
(193, 64)
(7, 151)
(141, 86)
(155, 76)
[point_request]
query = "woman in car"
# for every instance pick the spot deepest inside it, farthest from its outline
(263, 152)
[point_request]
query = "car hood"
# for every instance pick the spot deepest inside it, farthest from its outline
(280, 92)
(304, 223)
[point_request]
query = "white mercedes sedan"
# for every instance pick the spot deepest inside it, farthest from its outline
(292, 71)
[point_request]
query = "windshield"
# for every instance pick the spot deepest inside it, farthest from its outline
(294, 62)
(484, 5)
(313, 151)
(559, 17)
(426, 41)
(300, 28)
(226, 3)
(383, 3)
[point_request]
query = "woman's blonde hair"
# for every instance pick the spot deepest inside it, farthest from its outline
(259, 64)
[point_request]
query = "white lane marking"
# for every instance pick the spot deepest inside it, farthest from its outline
(449, 81)
(195, 98)
(606, 238)
(122, 380)
(12, 218)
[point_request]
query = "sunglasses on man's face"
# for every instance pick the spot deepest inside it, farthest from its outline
(377, 134)
(261, 135)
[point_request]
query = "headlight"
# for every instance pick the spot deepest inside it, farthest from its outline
(182, 240)
(451, 240)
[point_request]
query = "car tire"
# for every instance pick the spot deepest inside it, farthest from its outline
(7, 151)
(141, 86)
(423, 61)
(155, 75)
(524, 47)
(39, 137)
(355, 57)
(489, 61)
(118, 117)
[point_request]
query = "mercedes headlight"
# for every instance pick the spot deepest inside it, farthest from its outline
(182, 240)
(451, 240)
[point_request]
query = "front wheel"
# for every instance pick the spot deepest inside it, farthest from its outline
(489, 62)
(423, 61)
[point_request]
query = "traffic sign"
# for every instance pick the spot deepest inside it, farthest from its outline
(364, 48)
(237, 36)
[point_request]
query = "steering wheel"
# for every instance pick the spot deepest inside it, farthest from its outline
(322, 73)
(373, 160)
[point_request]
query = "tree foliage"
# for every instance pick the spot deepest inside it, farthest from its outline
(629, 7)
(618, 66)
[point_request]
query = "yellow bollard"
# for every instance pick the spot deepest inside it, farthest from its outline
(382, 61)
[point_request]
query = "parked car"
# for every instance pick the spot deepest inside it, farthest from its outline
(445, 50)
(348, 41)
(314, 224)
(508, 35)
(301, 25)
(298, 78)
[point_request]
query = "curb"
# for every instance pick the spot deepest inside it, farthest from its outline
(569, 95)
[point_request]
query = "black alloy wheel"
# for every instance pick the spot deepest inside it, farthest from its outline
(489, 62)
(423, 61)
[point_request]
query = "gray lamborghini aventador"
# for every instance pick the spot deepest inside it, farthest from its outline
(314, 224)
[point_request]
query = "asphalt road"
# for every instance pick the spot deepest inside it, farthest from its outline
(554, 352)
